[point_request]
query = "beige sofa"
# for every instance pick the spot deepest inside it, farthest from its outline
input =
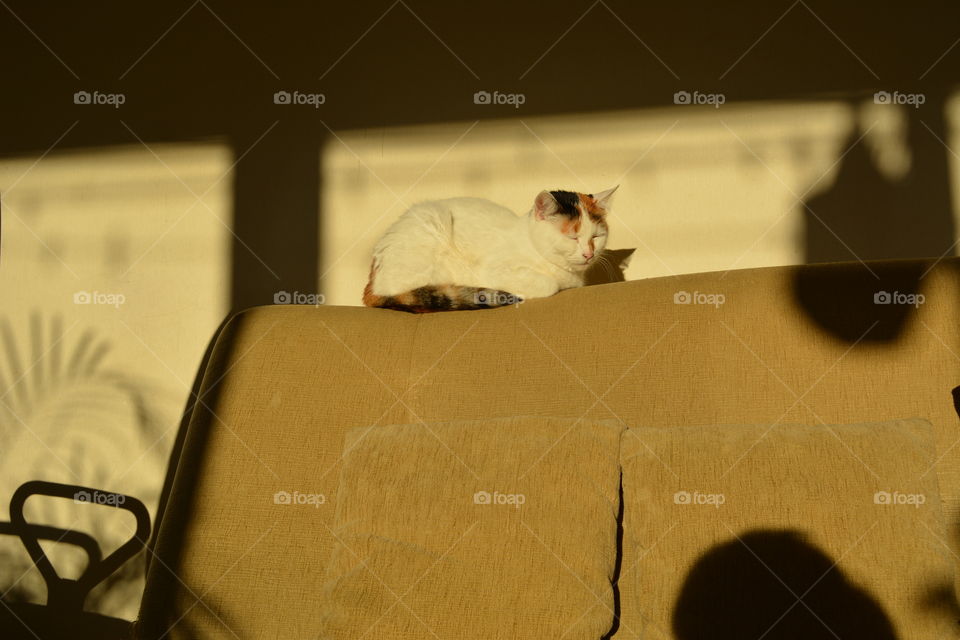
(787, 441)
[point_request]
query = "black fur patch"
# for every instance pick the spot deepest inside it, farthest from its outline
(431, 298)
(567, 202)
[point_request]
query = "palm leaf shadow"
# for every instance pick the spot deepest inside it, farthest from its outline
(50, 377)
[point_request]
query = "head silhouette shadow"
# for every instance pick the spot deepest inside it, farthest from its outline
(775, 585)
(864, 216)
(609, 268)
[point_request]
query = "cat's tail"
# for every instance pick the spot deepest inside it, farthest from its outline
(444, 297)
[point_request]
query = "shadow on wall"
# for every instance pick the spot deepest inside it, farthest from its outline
(773, 585)
(866, 216)
(63, 615)
(90, 415)
(609, 267)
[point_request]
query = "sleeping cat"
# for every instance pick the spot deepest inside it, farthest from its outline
(469, 253)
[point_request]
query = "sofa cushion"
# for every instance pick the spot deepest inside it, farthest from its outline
(785, 531)
(475, 529)
(285, 382)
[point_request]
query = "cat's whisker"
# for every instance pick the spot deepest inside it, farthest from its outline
(607, 265)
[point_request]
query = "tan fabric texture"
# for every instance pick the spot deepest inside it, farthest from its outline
(786, 531)
(492, 529)
(803, 345)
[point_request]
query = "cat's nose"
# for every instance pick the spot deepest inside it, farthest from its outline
(587, 254)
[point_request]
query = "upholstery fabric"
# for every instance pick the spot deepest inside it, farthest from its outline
(786, 532)
(480, 529)
(793, 345)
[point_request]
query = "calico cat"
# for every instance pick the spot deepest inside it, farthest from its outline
(469, 253)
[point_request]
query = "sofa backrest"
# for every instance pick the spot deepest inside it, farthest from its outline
(809, 345)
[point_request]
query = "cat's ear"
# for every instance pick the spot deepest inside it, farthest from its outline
(545, 205)
(603, 198)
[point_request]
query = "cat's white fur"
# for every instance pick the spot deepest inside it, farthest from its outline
(478, 243)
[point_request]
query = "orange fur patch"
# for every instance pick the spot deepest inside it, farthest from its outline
(414, 300)
(593, 209)
(570, 225)
(369, 297)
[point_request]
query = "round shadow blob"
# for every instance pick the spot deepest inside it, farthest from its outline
(773, 584)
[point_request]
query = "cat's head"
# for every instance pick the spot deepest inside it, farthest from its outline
(569, 228)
